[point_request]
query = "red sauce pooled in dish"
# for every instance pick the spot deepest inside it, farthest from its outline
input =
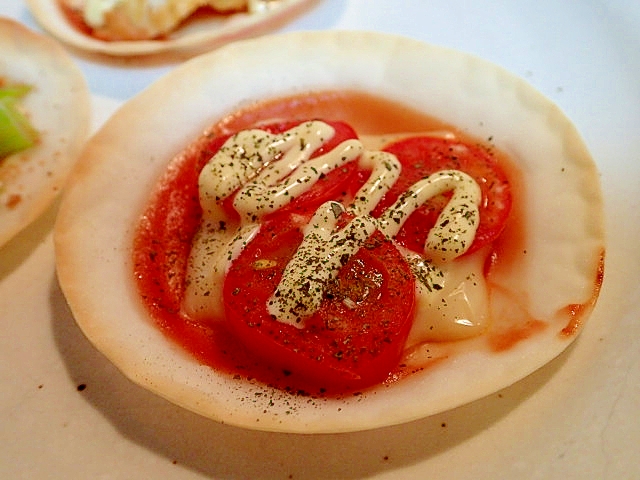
(163, 240)
(577, 312)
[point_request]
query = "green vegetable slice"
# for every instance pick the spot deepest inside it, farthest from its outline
(16, 132)
(14, 91)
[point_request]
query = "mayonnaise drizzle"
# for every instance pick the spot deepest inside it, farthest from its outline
(385, 171)
(270, 170)
(321, 253)
(318, 259)
(456, 225)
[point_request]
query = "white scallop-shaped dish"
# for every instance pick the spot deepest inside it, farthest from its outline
(198, 36)
(58, 106)
(562, 233)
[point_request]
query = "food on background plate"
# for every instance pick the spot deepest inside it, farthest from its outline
(145, 19)
(526, 272)
(16, 132)
(44, 120)
(143, 27)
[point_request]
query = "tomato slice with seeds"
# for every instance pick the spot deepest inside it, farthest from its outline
(422, 156)
(357, 336)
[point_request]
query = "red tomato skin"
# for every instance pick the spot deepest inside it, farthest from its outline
(338, 347)
(422, 156)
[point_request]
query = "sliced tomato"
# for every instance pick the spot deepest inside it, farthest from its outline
(356, 337)
(422, 156)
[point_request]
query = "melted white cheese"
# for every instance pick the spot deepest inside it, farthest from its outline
(272, 169)
(453, 303)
